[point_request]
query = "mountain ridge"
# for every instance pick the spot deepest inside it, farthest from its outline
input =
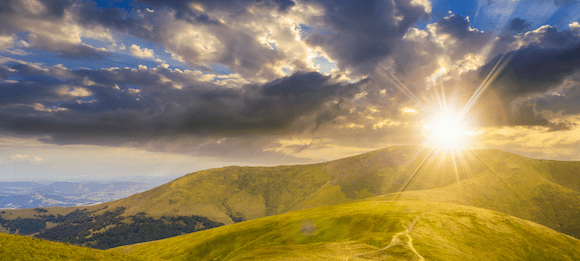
(232, 194)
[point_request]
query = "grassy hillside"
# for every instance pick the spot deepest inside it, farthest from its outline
(14, 247)
(546, 192)
(404, 230)
(234, 193)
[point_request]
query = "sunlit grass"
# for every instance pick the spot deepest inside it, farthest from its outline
(14, 247)
(443, 232)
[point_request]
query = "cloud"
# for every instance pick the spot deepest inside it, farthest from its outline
(6, 41)
(141, 53)
(367, 29)
(77, 51)
(574, 27)
(201, 34)
(535, 142)
(19, 157)
(456, 35)
(518, 25)
(251, 82)
(539, 72)
(23, 158)
(235, 34)
(129, 103)
(533, 69)
(207, 5)
(50, 26)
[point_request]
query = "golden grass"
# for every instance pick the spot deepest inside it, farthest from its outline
(443, 232)
(14, 247)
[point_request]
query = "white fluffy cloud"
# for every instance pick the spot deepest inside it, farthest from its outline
(141, 52)
(6, 41)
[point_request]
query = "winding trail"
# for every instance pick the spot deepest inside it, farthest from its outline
(396, 241)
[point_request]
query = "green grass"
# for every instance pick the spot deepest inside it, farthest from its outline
(546, 192)
(254, 192)
(14, 247)
(526, 190)
(443, 232)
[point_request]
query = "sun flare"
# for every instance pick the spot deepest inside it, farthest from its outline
(447, 131)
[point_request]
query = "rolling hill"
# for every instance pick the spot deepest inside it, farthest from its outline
(546, 192)
(15, 247)
(377, 230)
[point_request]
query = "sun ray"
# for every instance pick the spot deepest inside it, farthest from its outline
(457, 175)
(449, 128)
(402, 87)
(439, 100)
(414, 173)
(491, 76)
(505, 183)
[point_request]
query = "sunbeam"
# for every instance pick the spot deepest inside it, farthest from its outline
(505, 183)
(401, 86)
(491, 76)
(457, 175)
(414, 173)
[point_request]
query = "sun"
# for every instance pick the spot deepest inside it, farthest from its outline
(447, 131)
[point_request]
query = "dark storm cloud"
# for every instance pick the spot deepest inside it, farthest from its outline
(518, 25)
(141, 105)
(455, 26)
(251, 58)
(533, 69)
(53, 9)
(565, 98)
(465, 39)
(528, 114)
(360, 33)
(533, 73)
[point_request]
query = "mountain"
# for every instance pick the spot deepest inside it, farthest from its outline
(543, 191)
(19, 195)
(14, 247)
(377, 230)
(546, 192)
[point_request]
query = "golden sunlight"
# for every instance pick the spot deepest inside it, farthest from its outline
(447, 131)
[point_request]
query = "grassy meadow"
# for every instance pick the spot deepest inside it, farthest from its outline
(362, 230)
(15, 247)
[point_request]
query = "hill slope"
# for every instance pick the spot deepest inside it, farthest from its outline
(14, 247)
(546, 192)
(378, 230)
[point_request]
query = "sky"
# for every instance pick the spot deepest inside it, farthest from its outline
(143, 88)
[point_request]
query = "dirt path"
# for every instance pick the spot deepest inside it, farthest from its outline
(396, 241)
